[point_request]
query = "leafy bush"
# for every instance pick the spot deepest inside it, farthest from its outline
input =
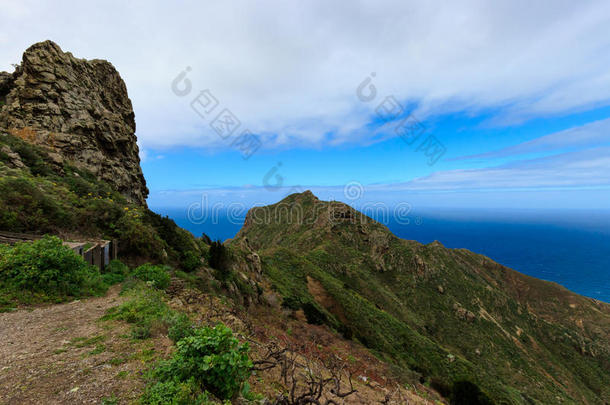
(181, 327)
(190, 261)
(138, 239)
(33, 158)
(24, 206)
(210, 359)
(80, 186)
(206, 239)
(115, 272)
(218, 257)
(175, 393)
(49, 269)
(178, 241)
(157, 275)
(145, 309)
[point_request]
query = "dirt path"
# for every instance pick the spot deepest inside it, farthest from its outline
(63, 354)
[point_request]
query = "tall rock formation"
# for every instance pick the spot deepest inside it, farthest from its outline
(78, 109)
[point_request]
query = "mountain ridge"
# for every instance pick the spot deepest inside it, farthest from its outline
(462, 309)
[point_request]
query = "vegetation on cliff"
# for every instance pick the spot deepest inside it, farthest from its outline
(449, 315)
(79, 110)
(45, 270)
(40, 196)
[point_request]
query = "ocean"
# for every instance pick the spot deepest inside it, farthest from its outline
(569, 247)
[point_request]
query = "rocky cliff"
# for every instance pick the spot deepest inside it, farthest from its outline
(79, 110)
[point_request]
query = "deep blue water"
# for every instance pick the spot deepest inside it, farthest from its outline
(571, 248)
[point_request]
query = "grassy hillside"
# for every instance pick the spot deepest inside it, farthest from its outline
(451, 318)
(450, 315)
(40, 196)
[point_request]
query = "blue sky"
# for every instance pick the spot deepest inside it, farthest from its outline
(466, 140)
(509, 100)
(557, 162)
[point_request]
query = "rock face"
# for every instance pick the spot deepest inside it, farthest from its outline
(79, 110)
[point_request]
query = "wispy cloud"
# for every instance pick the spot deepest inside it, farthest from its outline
(586, 136)
(581, 169)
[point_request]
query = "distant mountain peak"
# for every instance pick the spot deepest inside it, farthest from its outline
(302, 197)
(450, 314)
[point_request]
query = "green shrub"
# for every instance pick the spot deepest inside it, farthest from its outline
(80, 186)
(24, 206)
(116, 267)
(181, 327)
(292, 302)
(33, 158)
(138, 239)
(190, 261)
(206, 239)
(115, 272)
(218, 257)
(145, 309)
(212, 359)
(177, 240)
(157, 275)
(48, 268)
(175, 392)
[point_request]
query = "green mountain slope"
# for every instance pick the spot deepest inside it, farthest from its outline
(40, 196)
(447, 314)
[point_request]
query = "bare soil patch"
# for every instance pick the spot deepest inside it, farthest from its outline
(63, 354)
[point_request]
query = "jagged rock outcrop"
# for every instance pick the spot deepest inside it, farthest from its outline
(79, 110)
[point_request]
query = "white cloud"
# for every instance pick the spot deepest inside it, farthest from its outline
(289, 70)
(593, 134)
(582, 169)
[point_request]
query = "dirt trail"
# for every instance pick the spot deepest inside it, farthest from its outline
(62, 354)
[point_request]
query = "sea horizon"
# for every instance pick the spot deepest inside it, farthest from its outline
(565, 246)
